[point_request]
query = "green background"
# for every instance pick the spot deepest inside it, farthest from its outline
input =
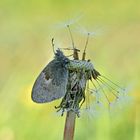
(26, 29)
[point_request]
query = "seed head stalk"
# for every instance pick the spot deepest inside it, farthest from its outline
(69, 125)
(70, 116)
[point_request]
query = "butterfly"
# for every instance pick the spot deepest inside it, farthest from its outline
(52, 81)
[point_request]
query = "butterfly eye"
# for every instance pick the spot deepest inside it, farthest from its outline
(66, 61)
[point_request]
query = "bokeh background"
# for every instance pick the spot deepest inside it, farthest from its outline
(26, 29)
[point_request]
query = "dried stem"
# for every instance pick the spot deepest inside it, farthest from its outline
(69, 126)
(71, 116)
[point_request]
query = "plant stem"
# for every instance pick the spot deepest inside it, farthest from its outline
(71, 116)
(69, 126)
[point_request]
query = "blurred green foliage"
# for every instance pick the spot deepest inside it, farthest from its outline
(26, 29)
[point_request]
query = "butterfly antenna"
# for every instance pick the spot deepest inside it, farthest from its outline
(112, 82)
(68, 49)
(84, 53)
(69, 55)
(53, 45)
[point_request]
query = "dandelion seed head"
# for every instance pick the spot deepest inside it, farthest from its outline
(83, 31)
(69, 22)
(90, 112)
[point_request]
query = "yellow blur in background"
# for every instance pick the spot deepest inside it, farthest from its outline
(26, 29)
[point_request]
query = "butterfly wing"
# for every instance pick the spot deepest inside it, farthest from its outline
(51, 83)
